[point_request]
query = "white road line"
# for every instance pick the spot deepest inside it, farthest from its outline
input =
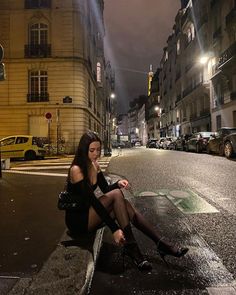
(38, 173)
(34, 173)
(40, 168)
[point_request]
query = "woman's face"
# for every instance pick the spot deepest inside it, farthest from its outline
(94, 151)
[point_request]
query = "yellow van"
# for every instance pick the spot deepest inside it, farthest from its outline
(22, 146)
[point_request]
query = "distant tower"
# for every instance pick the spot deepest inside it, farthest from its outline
(150, 76)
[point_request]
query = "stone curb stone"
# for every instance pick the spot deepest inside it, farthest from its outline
(68, 270)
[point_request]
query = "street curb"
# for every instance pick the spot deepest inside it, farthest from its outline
(68, 270)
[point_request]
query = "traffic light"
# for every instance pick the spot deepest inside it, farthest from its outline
(2, 72)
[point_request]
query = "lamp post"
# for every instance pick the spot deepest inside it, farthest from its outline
(107, 140)
(0, 160)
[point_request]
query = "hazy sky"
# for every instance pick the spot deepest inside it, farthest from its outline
(136, 33)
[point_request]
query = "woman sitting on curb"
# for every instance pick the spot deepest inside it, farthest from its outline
(112, 208)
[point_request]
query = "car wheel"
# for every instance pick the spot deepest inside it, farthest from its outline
(197, 148)
(228, 149)
(208, 150)
(30, 155)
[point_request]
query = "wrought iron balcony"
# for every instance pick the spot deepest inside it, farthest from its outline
(204, 113)
(230, 18)
(32, 4)
(217, 33)
(227, 54)
(38, 50)
(37, 97)
(233, 95)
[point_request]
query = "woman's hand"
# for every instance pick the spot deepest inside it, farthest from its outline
(119, 237)
(123, 183)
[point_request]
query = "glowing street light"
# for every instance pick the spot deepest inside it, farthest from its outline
(112, 95)
(203, 59)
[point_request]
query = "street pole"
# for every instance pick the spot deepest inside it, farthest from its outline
(58, 135)
(0, 160)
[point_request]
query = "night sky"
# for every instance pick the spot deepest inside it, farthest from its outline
(136, 33)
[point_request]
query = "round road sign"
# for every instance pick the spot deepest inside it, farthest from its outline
(48, 116)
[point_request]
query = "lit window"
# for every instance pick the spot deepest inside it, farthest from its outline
(191, 33)
(99, 72)
(166, 55)
(39, 34)
(178, 47)
(38, 86)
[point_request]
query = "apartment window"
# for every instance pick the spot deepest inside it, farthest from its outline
(166, 55)
(99, 72)
(38, 86)
(178, 47)
(39, 34)
(191, 33)
(218, 122)
(38, 41)
(32, 4)
(89, 94)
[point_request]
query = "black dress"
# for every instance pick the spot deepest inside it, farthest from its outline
(77, 220)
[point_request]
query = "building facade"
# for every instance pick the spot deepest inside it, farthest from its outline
(55, 65)
(197, 75)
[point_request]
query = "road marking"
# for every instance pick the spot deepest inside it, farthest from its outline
(9, 277)
(221, 291)
(35, 173)
(186, 201)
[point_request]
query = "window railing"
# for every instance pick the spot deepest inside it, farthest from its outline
(32, 4)
(233, 95)
(231, 17)
(38, 50)
(227, 54)
(204, 113)
(37, 97)
(217, 33)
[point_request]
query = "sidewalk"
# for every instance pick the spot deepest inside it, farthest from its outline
(69, 269)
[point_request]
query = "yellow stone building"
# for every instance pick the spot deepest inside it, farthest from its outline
(55, 65)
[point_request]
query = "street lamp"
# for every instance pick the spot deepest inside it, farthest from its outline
(203, 59)
(107, 142)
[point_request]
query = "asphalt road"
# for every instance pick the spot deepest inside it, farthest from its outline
(199, 191)
(30, 223)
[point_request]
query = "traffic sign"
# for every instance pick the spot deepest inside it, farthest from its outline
(48, 116)
(1, 53)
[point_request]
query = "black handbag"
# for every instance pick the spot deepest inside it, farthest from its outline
(67, 201)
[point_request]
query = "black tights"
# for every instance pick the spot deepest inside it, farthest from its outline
(121, 209)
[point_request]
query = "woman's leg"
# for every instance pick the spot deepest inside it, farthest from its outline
(148, 229)
(115, 204)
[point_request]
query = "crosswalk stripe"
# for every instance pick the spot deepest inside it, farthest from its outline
(33, 168)
(38, 173)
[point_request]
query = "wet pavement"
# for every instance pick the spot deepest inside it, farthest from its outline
(191, 274)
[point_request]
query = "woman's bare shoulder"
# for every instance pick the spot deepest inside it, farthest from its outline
(76, 173)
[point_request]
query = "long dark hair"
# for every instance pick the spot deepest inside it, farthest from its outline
(81, 156)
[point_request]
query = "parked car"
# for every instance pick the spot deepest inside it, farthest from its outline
(116, 144)
(180, 143)
(22, 146)
(160, 142)
(167, 143)
(230, 145)
(152, 143)
(218, 141)
(198, 141)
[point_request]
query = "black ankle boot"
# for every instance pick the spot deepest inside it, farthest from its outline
(132, 250)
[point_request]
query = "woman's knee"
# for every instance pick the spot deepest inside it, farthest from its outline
(117, 194)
